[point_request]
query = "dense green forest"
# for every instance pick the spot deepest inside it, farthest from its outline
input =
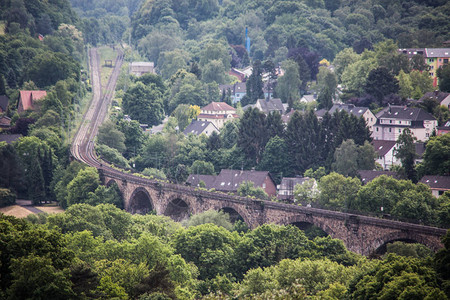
(103, 252)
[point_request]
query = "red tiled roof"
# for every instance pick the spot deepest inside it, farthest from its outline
(29, 97)
(218, 106)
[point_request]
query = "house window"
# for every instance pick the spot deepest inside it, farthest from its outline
(445, 60)
(431, 60)
(264, 185)
(399, 131)
(427, 134)
(390, 129)
(390, 121)
(376, 128)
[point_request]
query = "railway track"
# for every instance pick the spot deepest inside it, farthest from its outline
(82, 147)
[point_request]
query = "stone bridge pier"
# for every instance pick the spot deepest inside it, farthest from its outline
(360, 234)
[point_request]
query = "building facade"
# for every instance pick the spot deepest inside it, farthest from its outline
(218, 113)
(433, 57)
(392, 120)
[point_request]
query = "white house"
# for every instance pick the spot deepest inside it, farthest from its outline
(139, 68)
(200, 127)
(218, 113)
(438, 184)
(386, 153)
(393, 119)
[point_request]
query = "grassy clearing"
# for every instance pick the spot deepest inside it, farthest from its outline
(51, 209)
(106, 53)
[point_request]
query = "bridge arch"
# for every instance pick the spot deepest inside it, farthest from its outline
(236, 213)
(178, 208)
(140, 202)
(111, 182)
(379, 243)
(305, 219)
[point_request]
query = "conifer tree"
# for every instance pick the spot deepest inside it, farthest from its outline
(255, 84)
(406, 152)
(252, 136)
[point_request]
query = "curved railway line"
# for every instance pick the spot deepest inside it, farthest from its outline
(82, 149)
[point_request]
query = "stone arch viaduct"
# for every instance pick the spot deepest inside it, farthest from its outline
(360, 234)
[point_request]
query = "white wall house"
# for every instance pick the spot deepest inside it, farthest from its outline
(217, 113)
(392, 120)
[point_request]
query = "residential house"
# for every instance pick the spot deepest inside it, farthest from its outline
(393, 119)
(4, 101)
(5, 122)
(386, 153)
(198, 180)
(238, 74)
(369, 175)
(444, 129)
(433, 57)
(287, 185)
(308, 98)
(357, 111)
(217, 113)
(438, 184)
(9, 138)
(229, 180)
(27, 100)
(139, 68)
(441, 97)
(200, 127)
(269, 105)
(237, 91)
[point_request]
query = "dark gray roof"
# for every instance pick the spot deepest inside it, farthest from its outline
(382, 147)
(436, 182)
(369, 175)
(197, 127)
(240, 87)
(439, 96)
(273, 104)
(229, 180)
(194, 180)
(9, 138)
(4, 101)
(349, 108)
(404, 113)
(437, 52)
(410, 52)
(321, 112)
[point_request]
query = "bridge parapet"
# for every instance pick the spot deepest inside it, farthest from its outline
(361, 234)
